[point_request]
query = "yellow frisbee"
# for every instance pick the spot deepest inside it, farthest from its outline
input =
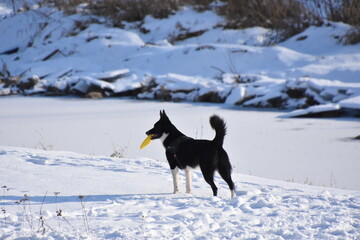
(146, 142)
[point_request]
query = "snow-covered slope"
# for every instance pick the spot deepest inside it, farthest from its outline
(184, 57)
(64, 195)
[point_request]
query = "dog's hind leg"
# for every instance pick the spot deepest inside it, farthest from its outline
(210, 181)
(227, 177)
(224, 168)
(188, 175)
(209, 178)
(175, 175)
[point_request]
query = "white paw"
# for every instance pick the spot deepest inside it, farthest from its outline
(233, 194)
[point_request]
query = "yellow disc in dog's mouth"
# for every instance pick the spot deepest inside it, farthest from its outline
(146, 142)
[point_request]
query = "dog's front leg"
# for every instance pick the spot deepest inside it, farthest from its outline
(188, 175)
(175, 175)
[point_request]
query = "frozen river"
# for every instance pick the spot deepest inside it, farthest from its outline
(259, 143)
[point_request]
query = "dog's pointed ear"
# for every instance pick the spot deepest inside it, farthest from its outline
(163, 114)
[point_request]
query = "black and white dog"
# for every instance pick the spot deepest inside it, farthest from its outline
(183, 152)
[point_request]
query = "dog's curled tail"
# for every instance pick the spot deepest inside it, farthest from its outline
(219, 126)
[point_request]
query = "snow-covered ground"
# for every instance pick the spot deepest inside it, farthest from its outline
(64, 195)
(58, 181)
(130, 197)
(186, 57)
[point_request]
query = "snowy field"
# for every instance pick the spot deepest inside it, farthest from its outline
(74, 196)
(71, 168)
(130, 197)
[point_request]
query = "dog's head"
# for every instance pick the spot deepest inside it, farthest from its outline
(160, 127)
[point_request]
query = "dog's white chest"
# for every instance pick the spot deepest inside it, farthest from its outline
(163, 137)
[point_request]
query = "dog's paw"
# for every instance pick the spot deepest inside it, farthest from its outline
(233, 194)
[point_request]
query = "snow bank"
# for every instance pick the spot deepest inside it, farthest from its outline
(353, 103)
(186, 57)
(315, 111)
(73, 196)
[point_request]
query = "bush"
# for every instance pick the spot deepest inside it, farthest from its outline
(68, 6)
(130, 10)
(352, 36)
(347, 11)
(287, 17)
(133, 10)
(137, 10)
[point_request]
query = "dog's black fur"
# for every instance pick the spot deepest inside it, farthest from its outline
(183, 151)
